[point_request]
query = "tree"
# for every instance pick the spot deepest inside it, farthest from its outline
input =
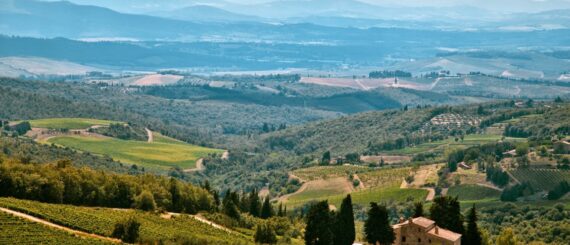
(145, 201)
(472, 235)
(418, 209)
(265, 234)
(558, 100)
(326, 159)
(446, 213)
(318, 230)
(507, 237)
(266, 209)
(377, 227)
(344, 223)
(127, 230)
(254, 203)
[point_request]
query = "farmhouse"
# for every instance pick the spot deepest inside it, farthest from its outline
(423, 231)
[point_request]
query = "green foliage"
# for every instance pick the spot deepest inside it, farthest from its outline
(127, 230)
(510, 194)
(559, 191)
(326, 158)
(377, 228)
(266, 210)
(507, 237)
(319, 220)
(472, 235)
(70, 123)
(265, 234)
(145, 201)
(344, 231)
(122, 131)
(446, 212)
(83, 186)
(418, 209)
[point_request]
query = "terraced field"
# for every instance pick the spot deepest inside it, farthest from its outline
(14, 230)
(69, 123)
(163, 153)
(101, 221)
(385, 177)
(544, 179)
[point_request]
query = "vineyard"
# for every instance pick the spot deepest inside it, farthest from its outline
(326, 172)
(543, 179)
(473, 192)
(384, 177)
(14, 230)
(102, 220)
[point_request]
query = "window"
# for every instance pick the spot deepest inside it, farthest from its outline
(419, 240)
(429, 240)
(403, 238)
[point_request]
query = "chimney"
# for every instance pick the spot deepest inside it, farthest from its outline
(402, 219)
(411, 221)
(436, 230)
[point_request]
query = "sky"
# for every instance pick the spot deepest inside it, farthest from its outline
(497, 5)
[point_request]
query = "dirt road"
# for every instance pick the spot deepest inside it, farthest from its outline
(149, 135)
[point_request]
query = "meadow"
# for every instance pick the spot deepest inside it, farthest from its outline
(324, 172)
(468, 141)
(101, 221)
(163, 153)
(68, 123)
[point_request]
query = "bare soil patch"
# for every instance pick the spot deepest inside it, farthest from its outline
(157, 79)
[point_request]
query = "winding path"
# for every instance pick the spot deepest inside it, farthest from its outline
(149, 135)
(56, 226)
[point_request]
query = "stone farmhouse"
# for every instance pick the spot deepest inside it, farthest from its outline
(421, 230)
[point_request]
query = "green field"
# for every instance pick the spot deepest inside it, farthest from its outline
(473, 192)
(68, 123)
(102, 220)
(14, 230)
(543, 179)
(163, 153)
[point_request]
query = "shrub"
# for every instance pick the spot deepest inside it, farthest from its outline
(127, 230)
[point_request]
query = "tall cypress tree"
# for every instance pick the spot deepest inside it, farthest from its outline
(472, 235)
(255, 203)
(418, 209)
(318, 230)
(266, 209)
(377, 227)
(344, 223)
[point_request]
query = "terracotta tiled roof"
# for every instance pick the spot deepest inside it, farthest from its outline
(445, 234)
(423, 222)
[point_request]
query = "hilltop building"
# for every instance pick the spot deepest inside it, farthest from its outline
(421, 230)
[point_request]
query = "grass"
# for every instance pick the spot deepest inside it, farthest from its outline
(473, 192)
(68, 123)
(102, 220)
(543, 179)
(15, 230)
(164, 153)
(323, 172)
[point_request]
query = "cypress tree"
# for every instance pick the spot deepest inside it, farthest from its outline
(472, 235)
(344, 223)
(377, 228)
(255, 203)
(280, 210)
(418, 209)
(266, 209)
(318, 230)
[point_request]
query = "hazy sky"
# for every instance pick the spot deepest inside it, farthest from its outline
(499, 5)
